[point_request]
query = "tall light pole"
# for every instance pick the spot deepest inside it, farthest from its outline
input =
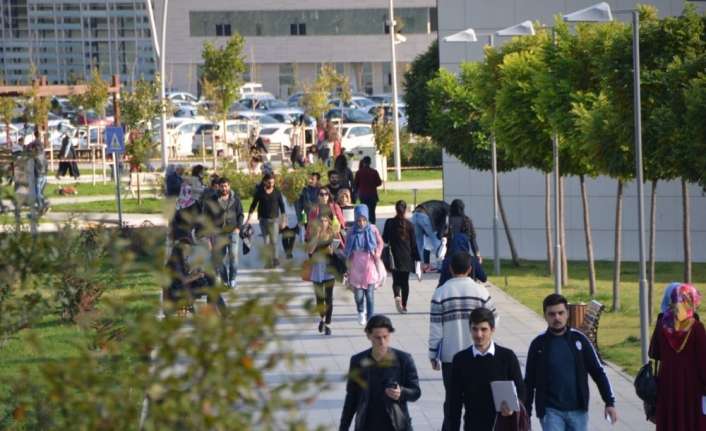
(159, 49)
(469, 36)
(395, 112)
(601, 12)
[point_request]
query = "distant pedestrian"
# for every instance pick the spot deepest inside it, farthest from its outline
(320, 248)
(367, 180)
(679, 344)
(398, 233)
(558, 364)
(308, 198)
(173, 181)
(451, 306)
(424, 230)
(345, 175)
(269, 203)
(381, 381)
(459, 222)
(195, 181)
(460, 243)
(334, 182)
(67, 157)
(363, 248)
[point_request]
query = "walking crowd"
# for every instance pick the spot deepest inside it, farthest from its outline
(485, 387)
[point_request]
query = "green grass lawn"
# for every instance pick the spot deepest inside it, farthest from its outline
(157, 205)
(85, 189)
(619, 332)
(416, 174)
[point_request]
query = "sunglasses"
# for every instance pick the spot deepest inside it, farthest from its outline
(323, 194)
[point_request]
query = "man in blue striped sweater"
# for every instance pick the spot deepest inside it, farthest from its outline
(451, 306)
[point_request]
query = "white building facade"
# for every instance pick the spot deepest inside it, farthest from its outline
(286, 43)
(523, 192)
(65, 39)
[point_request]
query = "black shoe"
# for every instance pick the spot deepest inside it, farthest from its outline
(328, 330)
(275, 263)
(321, 326)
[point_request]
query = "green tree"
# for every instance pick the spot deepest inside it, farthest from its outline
(315, 100)
(139, 107)
(222, 76)
(424, 68)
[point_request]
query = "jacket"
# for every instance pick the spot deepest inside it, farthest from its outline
(451, 306)
(401, 370)
(404, 252)
(585, 360)
(308, 198)
(224, 220)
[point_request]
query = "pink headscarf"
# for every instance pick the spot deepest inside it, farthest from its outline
(678, 318)
(185, 199)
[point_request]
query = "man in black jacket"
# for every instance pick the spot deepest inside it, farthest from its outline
(224, 218)
(381, 381)
(558, 364)
(473, 370)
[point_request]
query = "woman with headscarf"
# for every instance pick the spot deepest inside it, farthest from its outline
(460, 242)
(679, 345)
(398, 233)
(459, 222)
(363, 249)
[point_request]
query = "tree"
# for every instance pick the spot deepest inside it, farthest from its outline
(7, 112)
(315, 100)
(222, 77)
(139, 107)
(416, 97)
(456, 124)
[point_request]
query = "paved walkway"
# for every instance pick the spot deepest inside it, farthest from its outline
(517, 327)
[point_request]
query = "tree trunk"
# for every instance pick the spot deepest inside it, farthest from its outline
(510, 241)
(589, 238)
(617, 251)
(687, 231)
(139, 189)
(564, 263)
(548, 223)
(653, 233)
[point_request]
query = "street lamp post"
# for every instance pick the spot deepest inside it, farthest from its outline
(161, 54)
(395, 111)
(469, 36)
(601, 12)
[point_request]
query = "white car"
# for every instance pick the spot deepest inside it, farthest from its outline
(357, 135)
(357, 102)
(182, 136)
(277, 138)
(182, 97)
(235, 129)
(14, 135)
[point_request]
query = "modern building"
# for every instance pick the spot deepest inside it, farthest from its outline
(287, 42)
(65, 39)
(523, 190)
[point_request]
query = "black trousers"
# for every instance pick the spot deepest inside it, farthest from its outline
(446, 376)
(70, 167)
(400, 284)
(324, 299)
(371, 203)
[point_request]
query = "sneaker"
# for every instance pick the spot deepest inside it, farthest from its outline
(361, 319)
(275, 263)
(321, 326)
(404, 310)
(398, 304)
(233, 284)
(328, 330)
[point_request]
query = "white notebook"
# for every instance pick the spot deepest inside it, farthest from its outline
(504, 390)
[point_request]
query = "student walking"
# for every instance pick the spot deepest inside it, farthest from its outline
(345, 175)
(451, 306)
(423, 229)
(459, 222)
(559, 362)
(367, 180)
(320, 248)
(679, 344)
(398, 233)
(461, 243)
(363, 249)
(473, 370)
(270, 212)
(308, 198)
(381, 381)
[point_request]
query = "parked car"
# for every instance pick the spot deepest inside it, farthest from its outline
(401, 113)
(182, 136)
(204, 135)
(356, 102)
(254, 90)
(385, 99)
(295, 99)
(357, 135)
(186, 111)
(14, 135)
(350, 115)
(182, 97)
(269, 104)
(254, 101)
(277, 135)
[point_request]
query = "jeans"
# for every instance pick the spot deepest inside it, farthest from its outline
(270, 232)
(369, 296)
(227, 247)
(557, 420)
(423, 227)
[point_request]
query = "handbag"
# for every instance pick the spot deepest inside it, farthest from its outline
(338, 261)
(646, 388)
(305, 272)
(381, 272)
(387, 258)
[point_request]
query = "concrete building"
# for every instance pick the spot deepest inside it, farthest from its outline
(287, 42)
(65, 39)
(523, 190)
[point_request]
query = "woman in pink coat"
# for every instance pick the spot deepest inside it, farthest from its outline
(363, 249)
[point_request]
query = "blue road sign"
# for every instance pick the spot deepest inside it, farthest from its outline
(114, 140)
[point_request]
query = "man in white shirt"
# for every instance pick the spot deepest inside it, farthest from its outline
(451, 306)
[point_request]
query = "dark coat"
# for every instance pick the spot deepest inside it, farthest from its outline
(401, 370)
(404, 250)
(223, 220)
(173, 184)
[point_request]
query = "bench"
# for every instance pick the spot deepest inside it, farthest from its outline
(589, 325)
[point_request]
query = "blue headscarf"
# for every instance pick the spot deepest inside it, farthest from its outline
(360, 239)
(667, 298)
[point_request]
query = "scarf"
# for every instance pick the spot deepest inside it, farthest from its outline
(361, 239)
(678, 318)
(186, 198)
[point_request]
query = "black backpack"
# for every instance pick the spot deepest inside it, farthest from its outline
(646, 388)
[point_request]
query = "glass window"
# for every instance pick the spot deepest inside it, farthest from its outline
(286, 79)
(386, 77)
(368, 78)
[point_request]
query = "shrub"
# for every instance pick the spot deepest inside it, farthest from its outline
(419, 151)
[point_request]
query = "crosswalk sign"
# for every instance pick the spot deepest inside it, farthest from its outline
(114, 140)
